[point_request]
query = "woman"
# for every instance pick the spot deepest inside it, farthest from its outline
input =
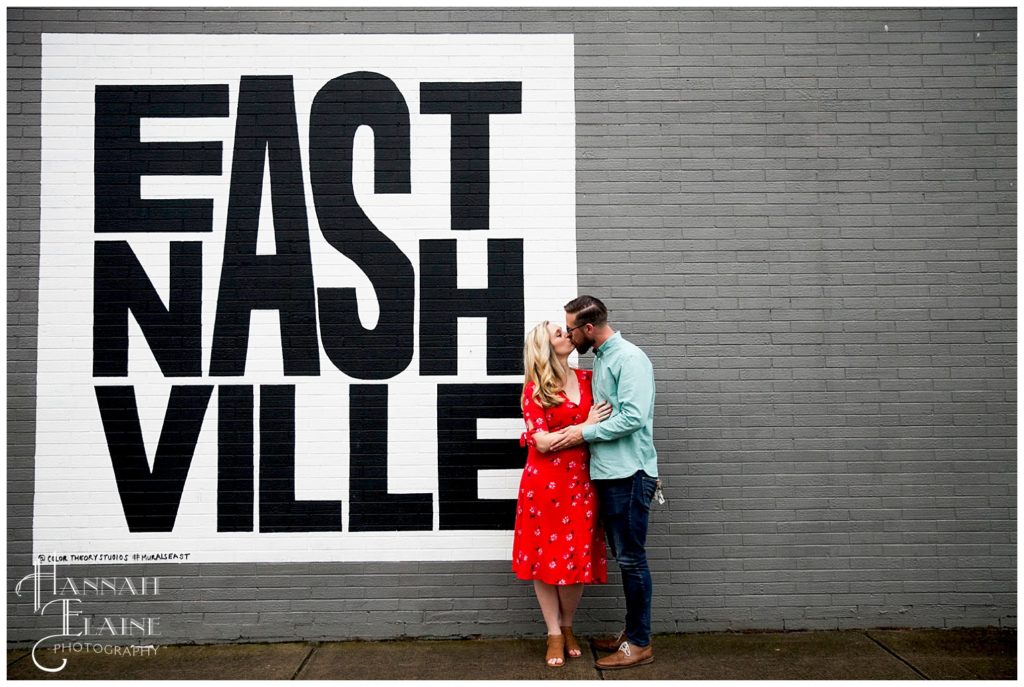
(558, 543)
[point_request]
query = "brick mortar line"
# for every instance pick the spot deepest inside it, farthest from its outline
(900, 658)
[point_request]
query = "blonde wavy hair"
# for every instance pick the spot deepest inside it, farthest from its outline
(543, 367)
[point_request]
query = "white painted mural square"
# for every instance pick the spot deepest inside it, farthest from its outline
(510, 96)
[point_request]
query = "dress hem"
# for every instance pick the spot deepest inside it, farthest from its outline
(528, 578)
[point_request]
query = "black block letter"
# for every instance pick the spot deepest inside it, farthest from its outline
(279, 511)
(442, 303)
(460, 454)
(339, 109)
(174, 333)
(266, 125)
(471, 105)
(121, 159)
(150, 499)
(372, 508)
(235, 466)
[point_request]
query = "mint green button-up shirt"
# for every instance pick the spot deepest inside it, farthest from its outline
(624, 443)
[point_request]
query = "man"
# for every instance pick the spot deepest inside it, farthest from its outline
(623, 467)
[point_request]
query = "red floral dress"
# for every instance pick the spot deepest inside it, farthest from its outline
(557, 538)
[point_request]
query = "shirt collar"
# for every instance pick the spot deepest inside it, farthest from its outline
(607, 345)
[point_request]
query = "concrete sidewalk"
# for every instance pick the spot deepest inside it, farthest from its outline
(976, 653)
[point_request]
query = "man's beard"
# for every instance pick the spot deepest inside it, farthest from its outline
(584, 347)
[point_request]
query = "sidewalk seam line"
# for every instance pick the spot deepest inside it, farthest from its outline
(17, 660)
(312, 650)
(903, 660)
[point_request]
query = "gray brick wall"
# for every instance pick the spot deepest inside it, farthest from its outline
(806, 217)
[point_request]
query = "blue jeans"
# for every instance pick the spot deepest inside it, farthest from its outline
(625, 511)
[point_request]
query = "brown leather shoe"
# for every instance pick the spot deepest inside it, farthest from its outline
(612, 644)
(571, 644)
(628, 656)
(555, 657)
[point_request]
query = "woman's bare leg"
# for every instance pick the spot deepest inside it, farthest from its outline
(568, 599)
(547, 597)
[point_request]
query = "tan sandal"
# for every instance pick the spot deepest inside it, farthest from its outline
(556, 651)
(571, 644)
